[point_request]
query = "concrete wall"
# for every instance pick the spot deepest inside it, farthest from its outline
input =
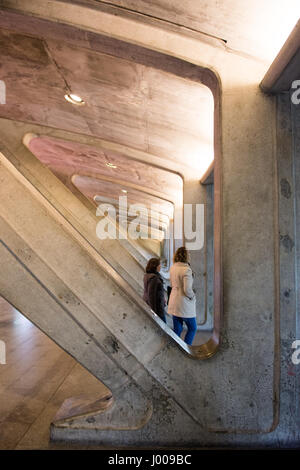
(126, 259)
(253, 347)
(232, 398)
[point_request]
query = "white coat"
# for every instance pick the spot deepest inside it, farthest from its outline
(182, 302)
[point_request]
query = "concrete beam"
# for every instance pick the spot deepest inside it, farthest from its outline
(285, 68)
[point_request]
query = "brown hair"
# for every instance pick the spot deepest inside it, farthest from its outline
(181, 255)
(152, 265)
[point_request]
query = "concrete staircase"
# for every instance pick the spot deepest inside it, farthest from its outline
(71, 286)
(56, 276)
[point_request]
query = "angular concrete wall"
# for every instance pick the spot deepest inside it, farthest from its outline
(125, 258)
(285, 429)
(233, 397)
(116, 340)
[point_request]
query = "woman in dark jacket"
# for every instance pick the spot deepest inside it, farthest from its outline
(154, 293)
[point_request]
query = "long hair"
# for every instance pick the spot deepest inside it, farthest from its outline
(152, 265)
(181, 255)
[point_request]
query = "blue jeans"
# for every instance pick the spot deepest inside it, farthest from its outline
(191, 326)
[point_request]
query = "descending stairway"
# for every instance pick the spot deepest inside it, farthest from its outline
(74, 288)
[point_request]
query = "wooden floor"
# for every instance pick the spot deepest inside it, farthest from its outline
(37, 377)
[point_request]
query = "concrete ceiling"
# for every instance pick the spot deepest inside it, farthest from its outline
(134, 105)
(66, 159)
(257, 27)
(131, 104)
(85, 168)
(98, 189)
(127, 103)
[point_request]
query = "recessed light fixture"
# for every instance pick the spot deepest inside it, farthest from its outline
(74, 99)
(111, 165)
(124, 191)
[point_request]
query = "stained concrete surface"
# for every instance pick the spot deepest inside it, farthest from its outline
(135, 105)
(36, 380)
(237, 25)
(129, 103)
(242, 384)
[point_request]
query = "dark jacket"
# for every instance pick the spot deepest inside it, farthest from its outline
(154, 293)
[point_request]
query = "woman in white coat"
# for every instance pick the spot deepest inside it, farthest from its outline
(182, 302)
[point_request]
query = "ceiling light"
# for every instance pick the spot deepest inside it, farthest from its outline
(74, 99)
(124, 191)
(111, 165)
